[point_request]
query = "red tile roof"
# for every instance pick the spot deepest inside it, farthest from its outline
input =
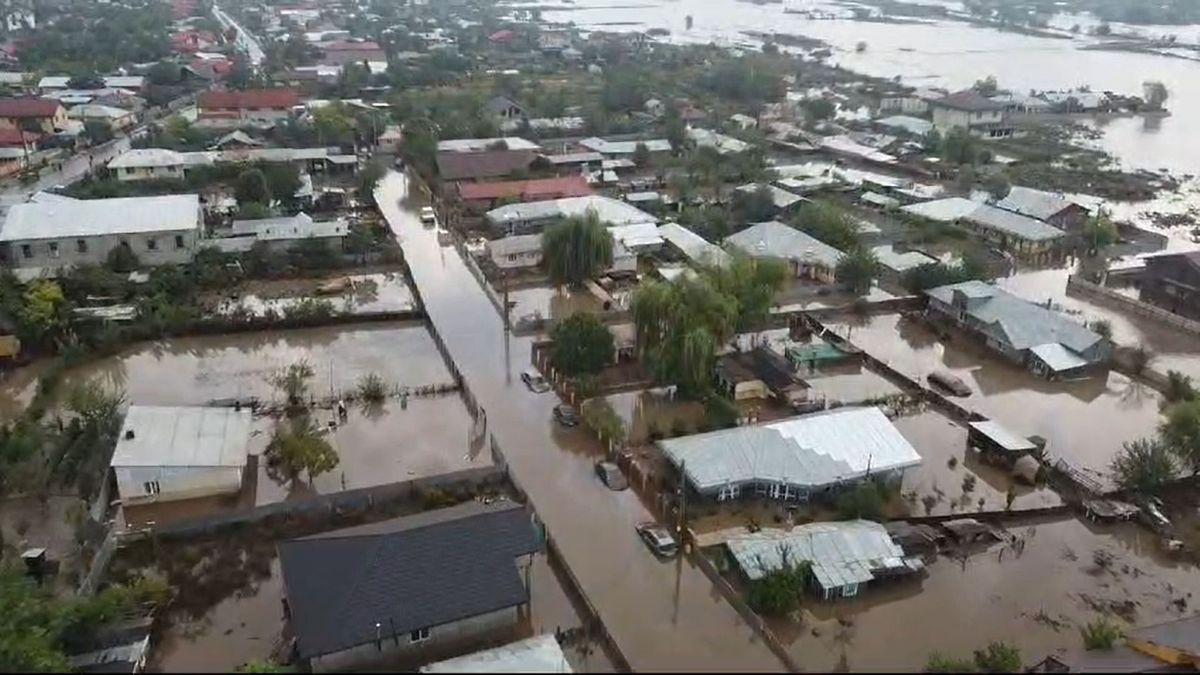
(28, 107)
(11, 138)
(252, 98)
(528, 190)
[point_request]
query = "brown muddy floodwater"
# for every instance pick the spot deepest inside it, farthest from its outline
(1037, 599)
(370, 293)
(1085, 422)
(549, 302)
(1173, 349)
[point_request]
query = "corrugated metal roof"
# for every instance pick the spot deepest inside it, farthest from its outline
(481, 144)
(695, 248)
(943, 210)
(607, 147)
(781, 198)
(1002, 436)
(609, 210)
(1014, 224)
(196, 436)
(1034, 203)
(515, 244)
(1058, 358)
(900, 261)
(840, 553)
(636, 235)
(775, 240)
(809, 450)
(538, 654)
(913, 125)
(59, 219)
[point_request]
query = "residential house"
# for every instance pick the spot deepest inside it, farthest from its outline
(760, 373)
(480, 197)
(1021, 104)
(535, 216)
(782, 201)
(351, 51)
(808, 257)
(913, 126)
(116, 118)
(516, 252)
(1039, 338)
(637, 238)
(1050, 207)
(969, 110)
(793, 459)
(743, 122)
(399, 588)
(169, 453)
(843, 556)
(64, 232)
(481, 144)
(1172, 281)
(723, 144)
(280, 235)
(390, 140)
(484, 165)
(134, 83)
(252, 105)
(1021, 235)
(895, 262)
(502, 108)
(155, 163)
(912, 103)
(625, 149)
(236, 140)
(45, 114)
(554, 41)
(684, 243)
(538, 654)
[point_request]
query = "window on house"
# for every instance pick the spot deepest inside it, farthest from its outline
(81, 245)
(54, 249)
(151, 244)
(419, 635)
(179, 241)
(26, 251)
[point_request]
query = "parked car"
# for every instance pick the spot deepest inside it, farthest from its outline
(566, 415)
(1150, 513)
(534, 380)
(610, 474)
(428, 216)
(949, 382)
(658, 538)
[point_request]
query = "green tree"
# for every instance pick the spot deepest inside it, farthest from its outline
(372, 388)
(1180, 432)
(293, 381)
(368, 180)
(998, 657)
(641, 155)
(297, 447)
(997, 185)
(941, 663)
(1155, 93)
(164, 73)
(1100, 633)
(1100, 231)
(777, 593)
(987, 86)
(98, 131)
(754, 206)
(44, 309)
(335, 124)
(864, 501)
(931, 275)
(1102, 327)
(577, 249)
(751, 283)
(959, 147)
(679, 326)
(818, 109)
(1143, 466)
(252, 187)
(829, 224)
(282, 179)
(253, 211)
(583, 345)
(122, 259)
(1179, 387)
(857, 269)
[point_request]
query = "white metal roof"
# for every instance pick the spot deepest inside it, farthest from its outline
(1057, 357)
(93, 217)
(781, 198)
(196, 436)
(913, 125)
(722, 143)
(1015, 224)
(943, 210)
(609, 210)
(1020, 323)
(773, 239)
(93, 111)
(840, 553)
(813, 450)
(1034, 203)
(607, 147)
(1003, 436)
(481, 144)
(636, 235)
(147, 158)
(299, 226)
(538, 654)
(900, 261)
(695, 248)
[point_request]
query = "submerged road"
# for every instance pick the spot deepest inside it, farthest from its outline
(663, 615)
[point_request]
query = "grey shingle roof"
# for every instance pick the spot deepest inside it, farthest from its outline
(1013, 224)
(404, 574)
(773, 239)
(1034, 203)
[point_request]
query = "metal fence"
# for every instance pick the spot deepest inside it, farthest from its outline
(99, 565)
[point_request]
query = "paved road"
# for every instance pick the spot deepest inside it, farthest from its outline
(664, 616)
(245, 39)
(73, 168)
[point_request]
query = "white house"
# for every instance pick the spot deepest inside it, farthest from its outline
(282, 234)
(807, 256)
(64, 232)
(969, 110)
(517, 251)
(169, 453)
(118, 118)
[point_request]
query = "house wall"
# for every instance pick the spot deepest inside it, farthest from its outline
(945, 119)
(1013, 244)
(910, 105)
(134, 173)
(168, 250)
(440, 638)
(516, 260)
(253, 114)
(145, 484)
(46, 124)
(1172, 283)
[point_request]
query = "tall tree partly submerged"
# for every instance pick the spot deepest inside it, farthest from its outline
(577, 249)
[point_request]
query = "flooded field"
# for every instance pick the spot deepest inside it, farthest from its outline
(1085, 422)
(549, 303)
(1035, 598)
(196, 370)
(353, 294)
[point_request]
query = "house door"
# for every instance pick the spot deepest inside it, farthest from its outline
(776, 491)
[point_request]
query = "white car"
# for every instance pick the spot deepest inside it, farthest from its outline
(534, 380)
(428, 215)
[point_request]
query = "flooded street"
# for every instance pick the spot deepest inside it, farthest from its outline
(664, 616)
(1084, 421)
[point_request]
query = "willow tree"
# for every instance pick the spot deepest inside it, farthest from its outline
(679, 326)
(577, 249)
(752, 283)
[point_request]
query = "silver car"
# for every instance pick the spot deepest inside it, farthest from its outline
(658, 538)
(534, 380)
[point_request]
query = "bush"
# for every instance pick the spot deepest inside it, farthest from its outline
(582, 345)
(863, 501)
(1100, 634)
(371, 388)
(122, 260)
(309, 309)
(778, 592)
(998, 657)
(719, 412)
(940, 663)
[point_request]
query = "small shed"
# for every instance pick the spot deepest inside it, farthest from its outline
(818, 353)
(994, 439)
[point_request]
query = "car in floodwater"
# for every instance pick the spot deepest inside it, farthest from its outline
(610, 474)
(658, 538)
(534, 380)
(428, 215)
(566, 415)
(949, 382)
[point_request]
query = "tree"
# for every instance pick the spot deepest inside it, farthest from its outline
(829, 224)
(818, 109)
(297, 447)
(282, 179)
(1155, 93)
(641, 155)
(86, 80)
(360, 241)
(1179, 387)
(253, 211)
(1103, 29)
(941, 663)
(252, 187)
(292, 381)
(997, 185)
(1180, 433)
(44, 309)
(754, 206)
(959, 147)
(1100, 633)
(998, 657)
(334, 123)
(1143, 466)
(931, 275)
(98, 131)
(857, 269)
(987, 86)
(368, 180)
(751, 283)
(679, 326)
(582, 345)
(863, 501)
(577, 249)
(1100, 231)
(164, 73)
(1102, 327)
(777, 593)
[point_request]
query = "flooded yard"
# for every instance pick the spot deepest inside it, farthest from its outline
(353, 293)
(1085, 421)
(549, 303)
(1036, 598)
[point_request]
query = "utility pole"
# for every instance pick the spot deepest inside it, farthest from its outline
(681, 518)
